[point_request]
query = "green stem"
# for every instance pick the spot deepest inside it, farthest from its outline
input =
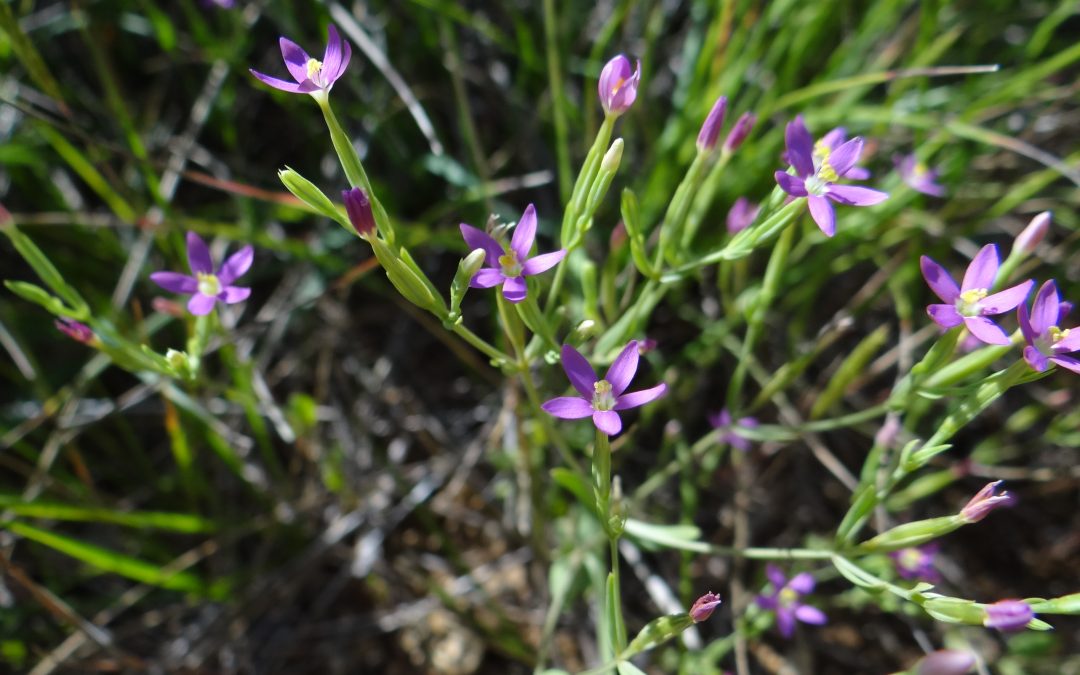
(346, 151)
(481, 344)
(562, 150)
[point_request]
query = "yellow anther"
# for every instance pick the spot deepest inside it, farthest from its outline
(602, 387)
(827, 173)
(208, 284)
(788, 596)
(618, 85)
(822, 150)
(974, 295)
(1057, 335)
(314, 67)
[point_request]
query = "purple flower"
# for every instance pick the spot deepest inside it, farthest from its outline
(600, 399)
(785, 600)
(828, 144)
(739, 131)
(917, 562)
(509, 266)
(75, 330)
(918, 176)
(311, 75)
(984, 502)
(1008, 615)
(742, 213)
(970, 303)
(946, 662)
(207, 286)
(618, 85)
(358, 208)
(722, 420)
(817, 181)
(1046, 343)
(703, 607)
(710, 129)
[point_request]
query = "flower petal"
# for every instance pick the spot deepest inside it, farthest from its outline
(775, 576)
(811, 615)
(982, 270)
(834, 138)
(331, 62)
(939, 280)
(1008, 299)
(1036, 359)
(856, 173)
(487, 278)
(475, 238)
(785, 621)
(802, 583)
(637, 398)
(524, 233)
(201, 305)
(568, 408)
(844, 157)
(1070, 343)
(233, 294)
(607, 421)
(1026, 329)
(346, 54)
(515, 289)
(236, 265)
(823, 214)
(578, 371)
(986, 330)
(623, 368)
(198, 255)
(793, 185)
(1067, 362)
(800, 147)
(854, 195)
(304, 87)
(296, 59)
(175, 282)
(542, 263)
(1047, 308)
(945, 316)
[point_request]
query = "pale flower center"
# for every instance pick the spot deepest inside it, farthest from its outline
(788, 597)
(910, 558)
(1057, 335)
(968, 302)
(314, 71)
(602, 398)
(208, 284)
(510, 265)
(821, 152)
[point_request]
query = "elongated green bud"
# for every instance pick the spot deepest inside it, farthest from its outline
(467, 268)
(307, 192)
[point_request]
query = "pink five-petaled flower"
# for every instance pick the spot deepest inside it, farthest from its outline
(785, 600)
(618, 85)
(703, 607)
(723, 421)
(917, 562)
(970, 303)
(207, 286)
(985, 501)
(918, 176)
(1008, 615)
(509, 266)
(1046, 342)
(311, 75)
(600, 399)
(817, 180)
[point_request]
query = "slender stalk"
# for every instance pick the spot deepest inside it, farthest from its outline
(481, 344)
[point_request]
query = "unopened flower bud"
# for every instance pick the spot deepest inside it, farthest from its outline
(618, 237)
(984, 502)
(886, 435)
(358, 206)
(739, 131)
(618, 85)
(946, 662)
(1008, 615)
(710, 129)
(75, 330)
(612, 158)
(703, 607)
(177, 360)
(1027, 241)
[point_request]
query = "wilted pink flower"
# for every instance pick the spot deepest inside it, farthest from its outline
(311, 75)
(1046, 342)
(508, 267)
(984, 502)
(741, 215)
(600, 399)
(971, 302)
(785, 600)
(703, 607)
(618, 85)
(946, 662)
(75, 330)
(1008, 615)
(918, 176)
(207, 287)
